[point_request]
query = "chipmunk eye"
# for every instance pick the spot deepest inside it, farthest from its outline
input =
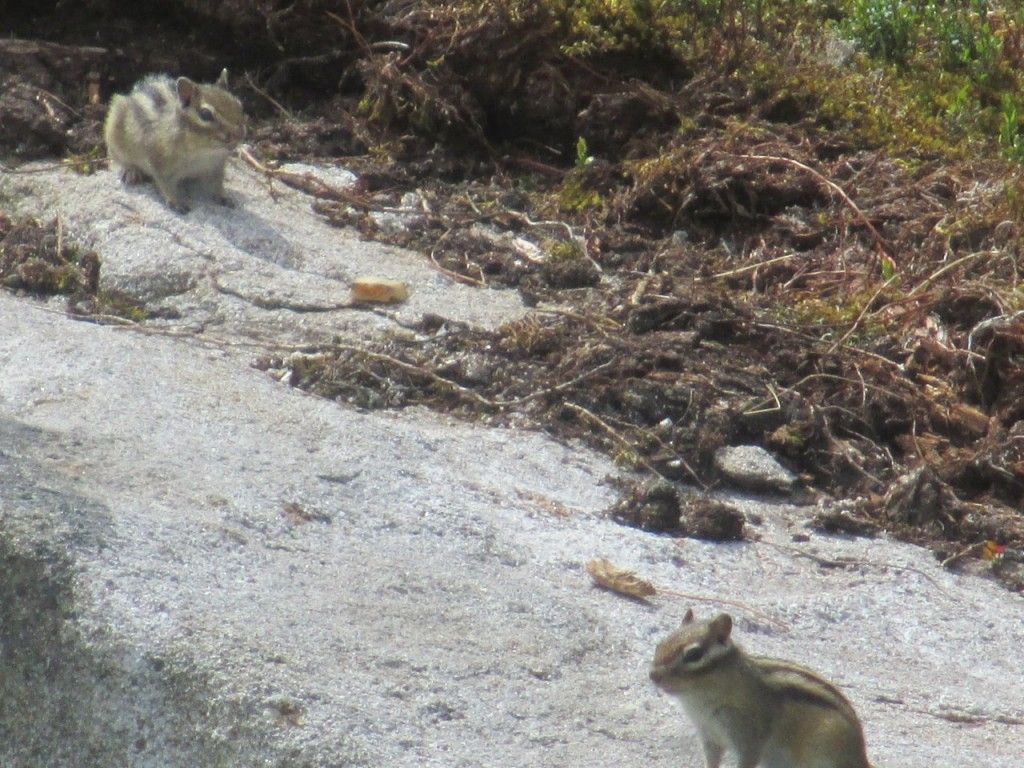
(205, 115)
(693, 654)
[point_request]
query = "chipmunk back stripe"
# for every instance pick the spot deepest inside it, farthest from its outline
(143, 118)
(797, 683)
(155, 93)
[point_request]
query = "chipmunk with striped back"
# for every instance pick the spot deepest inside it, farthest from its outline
(176, 132)
(770, 712)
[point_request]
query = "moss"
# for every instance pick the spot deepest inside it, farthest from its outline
(870, 107)
(120, 305)
(836, 315)
(565, 252)
(575, 197)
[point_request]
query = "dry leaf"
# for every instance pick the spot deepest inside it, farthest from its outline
(626, 583)
(378, 290)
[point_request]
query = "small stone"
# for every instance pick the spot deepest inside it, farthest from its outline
(753, 468)
(338, 178)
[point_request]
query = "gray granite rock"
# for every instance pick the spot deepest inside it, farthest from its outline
(753, 468)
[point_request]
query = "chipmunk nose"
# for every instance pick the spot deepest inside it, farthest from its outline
(235, 136)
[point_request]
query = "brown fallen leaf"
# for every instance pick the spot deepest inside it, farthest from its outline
(378, 290)
(627, 583)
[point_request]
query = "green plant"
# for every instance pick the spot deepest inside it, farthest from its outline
(655, 27)
(583, 157)
(888, 269)
(1010, 139)
(967, 41)
(885, 28)
(959, 106)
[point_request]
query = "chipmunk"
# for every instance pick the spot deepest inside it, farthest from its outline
(771, 713)
(176, 132)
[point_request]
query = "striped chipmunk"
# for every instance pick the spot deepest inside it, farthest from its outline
(771, 713)
(176, 132)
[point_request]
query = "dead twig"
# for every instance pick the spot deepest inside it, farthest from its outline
(846, 562)
(934, 276)
(578, 240)
(60, 237)
(308, 183)
(558, 388)
(809, 337)
(537, 166)
(751, 267)
(623, 582)
(274, 102)
(350, 25)
(860, 317)
(598, 321)
(771, 409)
(594, 418)
(880, 241)
(956, 557)
(45, 167)
(863, 385)
(59, 100)
(277, 304)
(456, 276)
(98, 318)
(612, 432)
(462, 391)
(732, 603)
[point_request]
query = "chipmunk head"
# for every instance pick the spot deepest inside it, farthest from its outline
(212, 111)
(694, 649)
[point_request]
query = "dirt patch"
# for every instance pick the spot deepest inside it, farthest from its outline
(35, 258)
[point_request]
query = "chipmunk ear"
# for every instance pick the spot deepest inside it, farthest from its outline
(721, 626)
(186, 90)
(222, 81)
(688, 618)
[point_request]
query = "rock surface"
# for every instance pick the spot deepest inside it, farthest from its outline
(268, 270)
(200, 566)
(753, 468)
